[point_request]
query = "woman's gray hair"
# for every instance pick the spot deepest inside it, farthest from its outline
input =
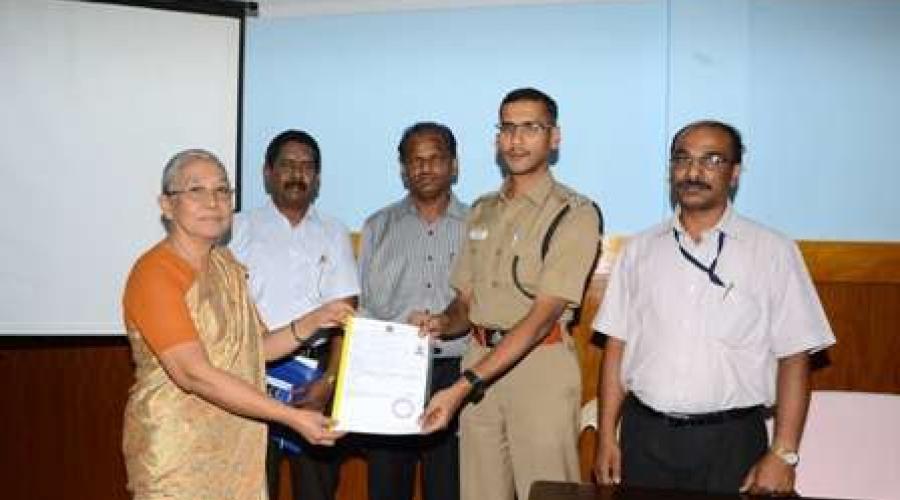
(174, 166)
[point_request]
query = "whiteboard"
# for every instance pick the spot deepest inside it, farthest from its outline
(95, 98)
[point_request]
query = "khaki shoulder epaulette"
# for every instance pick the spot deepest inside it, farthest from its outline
(485, 198)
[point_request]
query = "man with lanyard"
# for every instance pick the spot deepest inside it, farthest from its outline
(529, 251)
(298, 260)
(405, 256)
(710, 317)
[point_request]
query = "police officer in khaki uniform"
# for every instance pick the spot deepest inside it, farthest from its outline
(528, 252)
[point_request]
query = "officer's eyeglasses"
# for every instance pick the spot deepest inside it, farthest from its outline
(528, 129)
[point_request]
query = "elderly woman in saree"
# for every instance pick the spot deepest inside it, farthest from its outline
(194, 419)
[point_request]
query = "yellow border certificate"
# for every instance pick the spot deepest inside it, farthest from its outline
(383, 378)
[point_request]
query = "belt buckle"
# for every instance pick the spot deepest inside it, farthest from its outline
(679, 419)
(691, 419)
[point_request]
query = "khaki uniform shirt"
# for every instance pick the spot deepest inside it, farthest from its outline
(505, 232)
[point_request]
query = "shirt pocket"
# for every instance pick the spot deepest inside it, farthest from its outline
(525, 270)
(736, 317)
(476, 248)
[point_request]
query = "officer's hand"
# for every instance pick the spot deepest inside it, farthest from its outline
(770, 476)
(608, 462)
(442, 407)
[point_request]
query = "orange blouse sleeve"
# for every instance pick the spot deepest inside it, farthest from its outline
(154, 300)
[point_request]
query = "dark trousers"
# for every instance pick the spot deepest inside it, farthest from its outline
(713, 457)
(314, 473)
(392, 459)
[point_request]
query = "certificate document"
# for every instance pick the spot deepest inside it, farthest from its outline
(383, 379)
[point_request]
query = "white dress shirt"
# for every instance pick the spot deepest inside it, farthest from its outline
(692, 346)
(293, 270)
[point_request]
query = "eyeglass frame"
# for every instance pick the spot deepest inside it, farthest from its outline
(529, 128)
(199, 194)
(710, 162)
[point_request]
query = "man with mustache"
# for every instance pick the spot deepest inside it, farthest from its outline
(299, 259)
(405, 256)
(710, 318)
(521, 275)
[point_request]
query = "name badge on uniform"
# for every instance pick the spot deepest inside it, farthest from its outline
(478, 233)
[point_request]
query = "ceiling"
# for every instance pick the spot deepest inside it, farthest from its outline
(283, 8)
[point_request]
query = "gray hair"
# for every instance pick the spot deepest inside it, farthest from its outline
(176, 164)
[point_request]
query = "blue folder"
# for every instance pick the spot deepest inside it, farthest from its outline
(287, 381)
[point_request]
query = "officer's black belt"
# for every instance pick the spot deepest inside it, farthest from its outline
(490, 337)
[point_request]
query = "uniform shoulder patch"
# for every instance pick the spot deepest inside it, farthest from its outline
(575, 200)
(485, 198)
(568, 195)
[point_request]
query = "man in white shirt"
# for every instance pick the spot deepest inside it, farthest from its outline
(298, 260)
(710, 318)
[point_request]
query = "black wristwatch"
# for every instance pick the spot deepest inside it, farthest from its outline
(477, 391)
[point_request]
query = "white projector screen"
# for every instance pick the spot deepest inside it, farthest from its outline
(95, 99)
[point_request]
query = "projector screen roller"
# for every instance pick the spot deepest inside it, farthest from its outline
(96, 98)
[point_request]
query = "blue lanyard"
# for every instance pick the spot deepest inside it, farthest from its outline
(711, 270)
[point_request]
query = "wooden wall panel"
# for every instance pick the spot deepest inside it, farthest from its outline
(852, 261)
(865, 320)
(61, 399)
(61, 414)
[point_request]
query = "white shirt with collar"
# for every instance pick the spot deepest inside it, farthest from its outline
(692, 346)
(293, 269)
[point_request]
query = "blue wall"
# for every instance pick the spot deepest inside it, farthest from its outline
(811, 83)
